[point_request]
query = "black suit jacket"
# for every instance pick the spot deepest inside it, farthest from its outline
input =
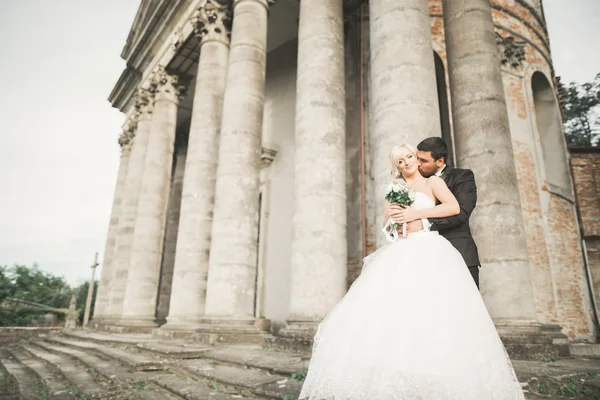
(461, 183)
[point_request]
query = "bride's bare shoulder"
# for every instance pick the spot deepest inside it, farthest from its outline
(434, 180)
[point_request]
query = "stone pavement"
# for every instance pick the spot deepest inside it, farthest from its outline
(83, 364)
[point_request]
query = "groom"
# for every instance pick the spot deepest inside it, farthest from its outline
(432, 154)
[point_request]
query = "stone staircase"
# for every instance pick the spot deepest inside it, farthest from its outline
(95, 365)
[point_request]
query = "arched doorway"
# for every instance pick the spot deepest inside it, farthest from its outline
(550, 130)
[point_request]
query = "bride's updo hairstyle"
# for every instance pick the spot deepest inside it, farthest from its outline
(395, 155)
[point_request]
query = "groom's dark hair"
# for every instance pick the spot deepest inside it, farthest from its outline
(436, 146)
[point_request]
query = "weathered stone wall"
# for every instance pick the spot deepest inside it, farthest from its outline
(16, 334)
(354, 213)
(278, 134)
(585, 166)
(549, 215)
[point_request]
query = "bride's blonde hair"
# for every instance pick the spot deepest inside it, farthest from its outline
(395, 156)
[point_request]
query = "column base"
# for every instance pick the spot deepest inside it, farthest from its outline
(302, 330)
(182, 324)
(531, 340)
(134, 325)
(228, 330)
(103, 324)
(297, 336)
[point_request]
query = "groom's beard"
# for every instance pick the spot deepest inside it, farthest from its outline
(427, 174)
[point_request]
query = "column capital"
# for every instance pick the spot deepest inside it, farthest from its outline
(267, 156)
(167, 86)
(144, 103)
(212, 21)
(125, 138)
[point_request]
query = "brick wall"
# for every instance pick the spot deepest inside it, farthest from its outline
(585, 166)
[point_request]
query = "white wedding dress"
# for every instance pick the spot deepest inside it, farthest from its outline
(412, 326)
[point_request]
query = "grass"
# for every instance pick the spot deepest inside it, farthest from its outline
(298, 377)
(141, 385)
(573, 387)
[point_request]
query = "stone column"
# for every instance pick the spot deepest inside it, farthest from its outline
(484, 144)
(404, 100)
(212, 23)
(110, 249)
(144, 105)
(139, 307)
(233, 252)
(319, 248)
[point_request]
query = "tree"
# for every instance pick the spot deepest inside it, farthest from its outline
(33, 285)
(581, 112)
(7, 289)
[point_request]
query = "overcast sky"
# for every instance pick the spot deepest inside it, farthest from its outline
(58, 150)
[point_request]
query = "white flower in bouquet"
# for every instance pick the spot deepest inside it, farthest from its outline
(400, 193)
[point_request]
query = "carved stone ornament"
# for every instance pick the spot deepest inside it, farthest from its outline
(177, 39)
(166, 84)
(512, 52)
(212, 21)
(144, 101)
(126, 137)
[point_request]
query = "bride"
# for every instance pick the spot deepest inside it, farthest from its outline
(413, 324)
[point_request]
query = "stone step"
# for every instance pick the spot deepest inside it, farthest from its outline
(237, 379)
(185, 386)
(175, 350)
(127, 384)
(28, 386)
(8, 386)
(130, 357)
(100, 337)
(585, 350)
(55, 384)
(108, 369)
(282, 363)
(74, 373)
(190, 389)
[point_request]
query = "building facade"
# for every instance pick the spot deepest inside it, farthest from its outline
(255, 150)
(585, 167)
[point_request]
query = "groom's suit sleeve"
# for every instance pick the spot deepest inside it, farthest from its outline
(465, 192)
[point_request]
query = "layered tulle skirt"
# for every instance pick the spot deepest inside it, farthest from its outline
(412, 326)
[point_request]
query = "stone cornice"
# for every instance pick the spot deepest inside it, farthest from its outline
(148, 33)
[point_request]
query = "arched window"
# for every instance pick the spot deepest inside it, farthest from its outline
(440, 76)
(551, 136)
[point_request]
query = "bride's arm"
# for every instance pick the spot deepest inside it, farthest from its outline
(448, 207)
(386, 212)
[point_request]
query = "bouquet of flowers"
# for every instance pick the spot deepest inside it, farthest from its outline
(400, 193)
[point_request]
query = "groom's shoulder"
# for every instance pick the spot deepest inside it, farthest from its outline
(462, 173)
